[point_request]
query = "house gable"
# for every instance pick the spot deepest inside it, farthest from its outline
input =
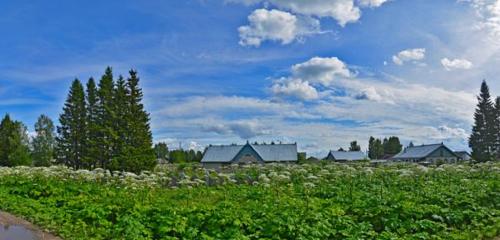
(443, 152)
(247, 154)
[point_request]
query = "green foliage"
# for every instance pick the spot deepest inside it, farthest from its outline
(392, 146)
(375, 148)
(92, 140)
(14, 150)
(354, 147)
(44, 142)
(273, 202)
(107, 127)
(161, 150)
(185, 156)
(72, 131)
(483, 137)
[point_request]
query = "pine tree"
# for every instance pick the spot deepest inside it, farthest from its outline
(92, 147)
(139, 152)
(72, 130)
(106, 116)
(44, 142)
(14, 150)
(482, 140)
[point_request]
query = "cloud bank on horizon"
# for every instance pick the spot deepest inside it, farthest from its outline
(320, 72)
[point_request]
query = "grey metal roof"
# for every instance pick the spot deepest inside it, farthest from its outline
(221, 153)
(421, 151)
(349, 156)
(268, 152)
(277, 152)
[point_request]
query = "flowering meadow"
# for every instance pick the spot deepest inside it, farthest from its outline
(310, 201)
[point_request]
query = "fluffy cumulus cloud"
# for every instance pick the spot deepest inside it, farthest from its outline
(413, 55)
(297, 18)
(321, 70)
(295, 88)
(275, 25)
(306, 76)
(453, 64)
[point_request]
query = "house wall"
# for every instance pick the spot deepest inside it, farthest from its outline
(442, 154)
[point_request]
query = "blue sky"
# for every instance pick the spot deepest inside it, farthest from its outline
(320, 73)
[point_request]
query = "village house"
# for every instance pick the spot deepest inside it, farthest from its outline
(341, 156)
(427, 154)
(217, 156)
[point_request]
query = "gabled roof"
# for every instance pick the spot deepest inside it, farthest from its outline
(268, 152)
(421, 151)
(221, 153)
(349, 156)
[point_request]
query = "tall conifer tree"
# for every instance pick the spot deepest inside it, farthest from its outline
(72, 130)
(120, 124)
(482, 140)
(140, 148)
(92, 147)
(107, 135)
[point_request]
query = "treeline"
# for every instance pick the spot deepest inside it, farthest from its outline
(176, 156)
(386, 148)
(378, 148)
(102, 125)
(485, 138)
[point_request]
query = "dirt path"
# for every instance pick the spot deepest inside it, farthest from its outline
(7, 219)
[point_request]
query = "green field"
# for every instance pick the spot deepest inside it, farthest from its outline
(328, 201)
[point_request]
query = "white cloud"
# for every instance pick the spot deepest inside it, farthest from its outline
(295, 88)
(454, 64)
(371, 3)
(343, 11)
(489, 12)
(306, 76)
(275, 25)
(319, 70)
(414, 55)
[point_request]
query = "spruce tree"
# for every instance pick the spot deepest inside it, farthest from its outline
(14, 150)
(92, 147)
(139, 152)
(482, 140)
(44, 142)
(72, 130)
(106, 116)
(120, 125)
